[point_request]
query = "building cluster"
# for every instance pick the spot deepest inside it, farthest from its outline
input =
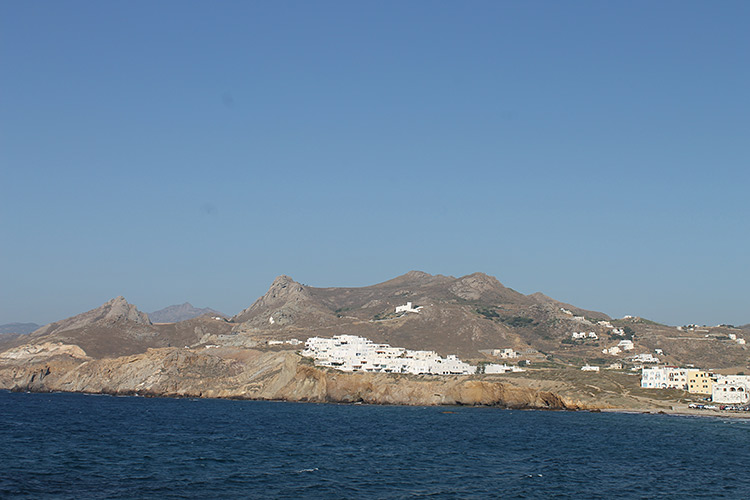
(350, 353)
(731, 389)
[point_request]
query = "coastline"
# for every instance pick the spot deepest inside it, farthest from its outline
(681, 412)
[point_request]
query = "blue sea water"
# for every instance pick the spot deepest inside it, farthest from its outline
(78, 447)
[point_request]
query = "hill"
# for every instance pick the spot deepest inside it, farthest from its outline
(455, 315)
(180, 312)
(470, 316)
(118, 328)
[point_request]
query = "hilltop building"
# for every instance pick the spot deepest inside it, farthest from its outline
(408, 308)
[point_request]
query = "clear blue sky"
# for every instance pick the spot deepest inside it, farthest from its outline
(178, 151)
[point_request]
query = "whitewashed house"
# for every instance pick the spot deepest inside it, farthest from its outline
(731, 389)
(613, 351)
(407, 308)
(664, 377)
(505, 353)
(626, 345)
(496, 368)
(646, 357)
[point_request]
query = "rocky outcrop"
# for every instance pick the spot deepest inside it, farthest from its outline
(285, 303)
(111, 312)
(254, 374)
(37, 352)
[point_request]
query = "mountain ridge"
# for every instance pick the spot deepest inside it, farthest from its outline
(181, 312)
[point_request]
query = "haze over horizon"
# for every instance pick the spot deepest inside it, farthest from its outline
(181, 151)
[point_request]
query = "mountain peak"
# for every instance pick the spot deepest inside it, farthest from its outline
(284, 290)
(114, 310)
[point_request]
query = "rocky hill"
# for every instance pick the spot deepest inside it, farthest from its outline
(455, 315)
(181, 312)
(118, 328)
(470, 316)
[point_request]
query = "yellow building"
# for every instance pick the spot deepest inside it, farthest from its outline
(699, 381)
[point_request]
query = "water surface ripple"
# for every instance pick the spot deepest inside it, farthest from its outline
(87, 447)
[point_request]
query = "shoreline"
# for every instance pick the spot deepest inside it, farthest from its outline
(681, 412)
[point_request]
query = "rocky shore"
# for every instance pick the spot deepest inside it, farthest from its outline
(252, 374)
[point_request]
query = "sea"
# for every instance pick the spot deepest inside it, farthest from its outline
(74, 446)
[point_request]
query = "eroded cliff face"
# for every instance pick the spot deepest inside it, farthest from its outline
(255, 374)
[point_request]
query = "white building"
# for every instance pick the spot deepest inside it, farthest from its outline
(646, 357)
(605, 324)
(613, 351)
(626, 345)
(408, 308)
(496, 368)
(593, 335)
(352, 354)
(589, 368)
(664, 377)
(505, 353)
(578, 335)
(732, 389)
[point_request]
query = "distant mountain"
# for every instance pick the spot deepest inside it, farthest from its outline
(21, 328)
(113, 311)
(180, 312)
(118, 328)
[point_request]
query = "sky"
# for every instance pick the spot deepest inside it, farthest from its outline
(174, 151)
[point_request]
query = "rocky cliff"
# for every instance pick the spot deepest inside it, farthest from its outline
(250, 374)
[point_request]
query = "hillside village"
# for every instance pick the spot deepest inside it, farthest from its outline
(351, 353)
